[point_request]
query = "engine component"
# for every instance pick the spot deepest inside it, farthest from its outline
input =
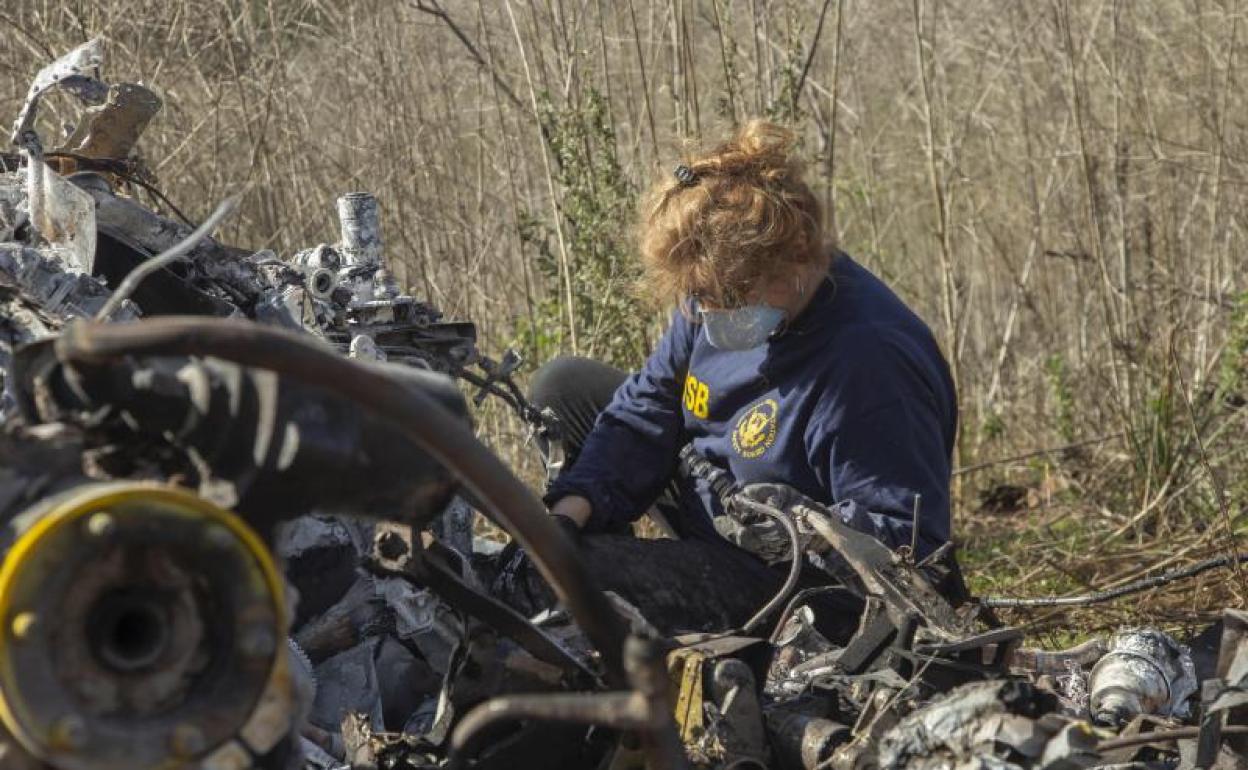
(416, 414)
(1001, 720)
(1144, 672)
(802, 741)
(645, 709)
(142, 626)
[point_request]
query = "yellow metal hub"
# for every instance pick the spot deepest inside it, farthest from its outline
(131, 616)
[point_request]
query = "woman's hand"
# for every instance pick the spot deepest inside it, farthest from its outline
(573, 507)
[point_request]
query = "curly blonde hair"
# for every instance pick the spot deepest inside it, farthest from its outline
(744, 218)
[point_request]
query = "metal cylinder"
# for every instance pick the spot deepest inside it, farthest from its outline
(321, 282)
(1144, 672)
(143, 628)
(360, 219)
(802, 741)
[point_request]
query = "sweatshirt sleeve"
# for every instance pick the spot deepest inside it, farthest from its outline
(877, 439)
(632, 450)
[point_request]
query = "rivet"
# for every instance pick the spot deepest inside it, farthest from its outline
(24, 625)
(69, 733)
(101, 524)
(187, 740)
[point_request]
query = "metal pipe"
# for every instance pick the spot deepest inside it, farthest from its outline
(795, 566)
(1160, 736)
(359, 217)
(617, 710)
(421, 418)
(1053, 662)
(1098, 597)
(646, 709)
(796, 602)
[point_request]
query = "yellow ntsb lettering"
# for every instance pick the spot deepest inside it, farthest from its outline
(697, 397)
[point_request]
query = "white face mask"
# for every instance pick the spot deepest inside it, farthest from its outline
(741, 328)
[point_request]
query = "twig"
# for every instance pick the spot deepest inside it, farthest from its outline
(565, 266)
(432, 8)
(1037, 453)
(810, 56)
(1218, 490)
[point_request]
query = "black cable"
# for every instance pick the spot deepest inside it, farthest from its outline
(795, 570)
(1133, 587)
(151, 189)
(121, 168)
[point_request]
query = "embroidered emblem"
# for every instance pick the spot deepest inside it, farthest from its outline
(756, 429)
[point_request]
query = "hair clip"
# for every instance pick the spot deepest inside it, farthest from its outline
(685, 175)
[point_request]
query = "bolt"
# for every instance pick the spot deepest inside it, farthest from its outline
(24, 624)
(101, 524)
(186, 740)
(69, 733)
(258, 641)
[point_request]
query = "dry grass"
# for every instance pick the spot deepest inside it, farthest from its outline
(1059, 187)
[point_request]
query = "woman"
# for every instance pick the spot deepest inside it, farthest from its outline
(786, 362)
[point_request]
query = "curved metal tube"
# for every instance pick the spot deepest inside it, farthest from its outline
(1054, 661)
(424, 421)
(646, 709)
(617, 710)
(795, 565)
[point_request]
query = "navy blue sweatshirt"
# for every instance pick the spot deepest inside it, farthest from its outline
(852, 404)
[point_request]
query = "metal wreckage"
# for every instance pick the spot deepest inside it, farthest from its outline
(237, 497)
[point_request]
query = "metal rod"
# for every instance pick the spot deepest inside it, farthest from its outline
(914, 526)
(1104, 596)
(1160, 736)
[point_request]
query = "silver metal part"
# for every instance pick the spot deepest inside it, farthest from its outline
(63, 215)
(360, 219)
(1144, 672)
(363, 347)
(321, 282)
(58, 289)
(75, 71)
(801, 741)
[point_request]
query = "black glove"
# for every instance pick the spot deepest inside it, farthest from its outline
(759, 534)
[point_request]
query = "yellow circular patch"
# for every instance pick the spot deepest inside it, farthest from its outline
(756, 429)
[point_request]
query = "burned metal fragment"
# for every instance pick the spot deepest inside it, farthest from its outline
(1144, 672)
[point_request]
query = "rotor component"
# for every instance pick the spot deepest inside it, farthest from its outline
(142, 626)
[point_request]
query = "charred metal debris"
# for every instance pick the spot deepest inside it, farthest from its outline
(237, 495)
